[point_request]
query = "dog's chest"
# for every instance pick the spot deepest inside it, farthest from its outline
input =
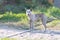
(35, 17)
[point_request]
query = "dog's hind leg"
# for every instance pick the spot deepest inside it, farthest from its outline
(44, 21)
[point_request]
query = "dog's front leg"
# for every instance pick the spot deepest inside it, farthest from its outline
(31, 25)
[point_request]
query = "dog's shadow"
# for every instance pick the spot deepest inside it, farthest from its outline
(52, 32)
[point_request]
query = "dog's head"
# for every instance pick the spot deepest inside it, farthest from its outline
(28, 11)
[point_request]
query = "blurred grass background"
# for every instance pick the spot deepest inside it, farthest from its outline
(10, 16)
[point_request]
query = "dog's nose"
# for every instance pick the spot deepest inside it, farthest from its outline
(28, 14)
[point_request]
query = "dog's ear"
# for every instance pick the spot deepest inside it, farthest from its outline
(25, 8)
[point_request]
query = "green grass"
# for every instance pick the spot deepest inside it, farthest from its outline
(12, 17)
(8, 39)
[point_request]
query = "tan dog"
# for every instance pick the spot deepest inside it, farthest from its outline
(35, 17)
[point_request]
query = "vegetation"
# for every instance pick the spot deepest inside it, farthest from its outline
(10, 16)
(13, 17)
(8, 39)
(17, 6)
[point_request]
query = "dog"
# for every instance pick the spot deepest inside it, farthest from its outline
(34, 17)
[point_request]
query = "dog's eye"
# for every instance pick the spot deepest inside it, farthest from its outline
(28, 11)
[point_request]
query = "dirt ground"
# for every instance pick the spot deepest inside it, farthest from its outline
(11, 30)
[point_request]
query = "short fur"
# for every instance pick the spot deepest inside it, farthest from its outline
(34, 17)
